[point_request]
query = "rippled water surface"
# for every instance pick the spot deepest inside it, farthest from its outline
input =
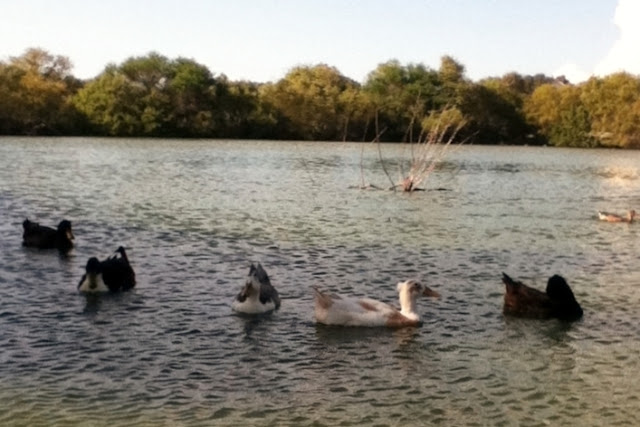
(195, 214)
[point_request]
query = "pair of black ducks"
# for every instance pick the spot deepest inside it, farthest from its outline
(259, 296)
(111, 275)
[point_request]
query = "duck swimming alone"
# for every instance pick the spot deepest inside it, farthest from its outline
(558, 301)
(609, 217)
(42, 237)
(111, 275)
(349, 311)
(257, 296)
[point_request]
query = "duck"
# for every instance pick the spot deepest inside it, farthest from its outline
(610, 217)
(557, 301)
(111, 275)
(341, 310)
(257, 295)
(43, 237)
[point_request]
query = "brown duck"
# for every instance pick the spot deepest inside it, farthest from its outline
(610, 217)
(558, 301)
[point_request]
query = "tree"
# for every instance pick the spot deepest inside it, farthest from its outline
(560, 115)
(314, 101)
(191, 90)
(13, 108)
(613, 104)
(401, 96)
(42, 63)
(34, 94)
(155, 96)
(451, 71)
(493, 114)
(113, 104)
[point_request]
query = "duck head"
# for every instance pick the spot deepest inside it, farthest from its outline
(65, 228)
(632, 215)
(409, 292)
(415, 289)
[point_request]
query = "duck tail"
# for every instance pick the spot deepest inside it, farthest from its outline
(261, 274)
(27, 225)
(508, 281)
(123, 253)
(323, 300)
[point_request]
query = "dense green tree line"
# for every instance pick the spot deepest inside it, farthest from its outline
(160, 97)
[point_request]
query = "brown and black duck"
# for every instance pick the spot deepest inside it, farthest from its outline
(558, 301)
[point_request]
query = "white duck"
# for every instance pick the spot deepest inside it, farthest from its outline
(349, 311)
(257, 296)
(609, 217)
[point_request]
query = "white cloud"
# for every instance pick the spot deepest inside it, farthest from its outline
(573, 73)
(625, 53)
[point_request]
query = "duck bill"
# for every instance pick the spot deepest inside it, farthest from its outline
(430, 293)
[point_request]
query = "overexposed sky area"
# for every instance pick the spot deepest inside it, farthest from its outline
(260, 40)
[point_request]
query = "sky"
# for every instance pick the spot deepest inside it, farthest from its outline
(261, 40)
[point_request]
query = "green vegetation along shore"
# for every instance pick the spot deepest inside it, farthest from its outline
(154, 96)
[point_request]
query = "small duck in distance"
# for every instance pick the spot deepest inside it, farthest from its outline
(111, 275)
(349, 311)
(558, 301)
(610, 217)
(257, 295)
(42, 237)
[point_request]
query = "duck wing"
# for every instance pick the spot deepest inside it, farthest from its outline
(349, 311)
(117, 274)
(39, 236)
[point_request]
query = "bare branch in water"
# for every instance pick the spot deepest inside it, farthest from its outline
(440, 130)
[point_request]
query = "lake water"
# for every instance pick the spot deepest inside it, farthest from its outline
(195, 214)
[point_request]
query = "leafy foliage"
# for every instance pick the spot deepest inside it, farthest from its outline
(317, 102)
(153, 95)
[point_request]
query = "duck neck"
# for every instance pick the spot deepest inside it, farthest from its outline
(408, 305)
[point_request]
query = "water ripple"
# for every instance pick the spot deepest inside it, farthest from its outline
(194, 214)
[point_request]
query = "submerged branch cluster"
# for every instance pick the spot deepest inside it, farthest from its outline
(439, 132)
